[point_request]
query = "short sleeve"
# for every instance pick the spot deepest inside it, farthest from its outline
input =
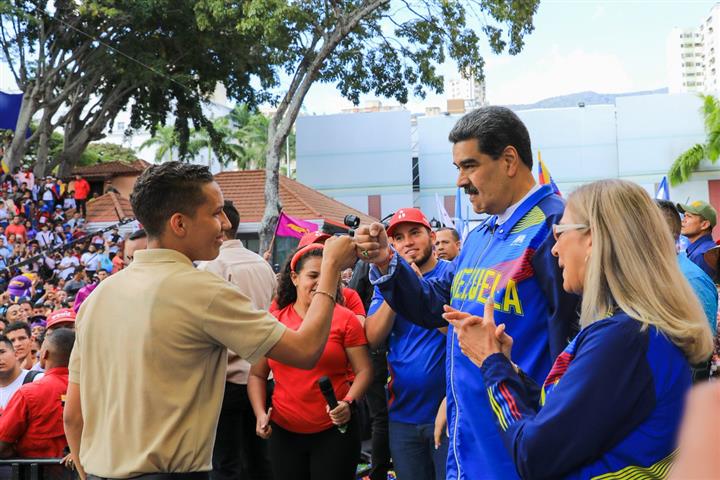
(231, 321)
(14, 420)
(353, 301)
(376, 301)
(354, 332)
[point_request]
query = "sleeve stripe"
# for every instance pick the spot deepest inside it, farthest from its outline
(510, 400)
(497, 410)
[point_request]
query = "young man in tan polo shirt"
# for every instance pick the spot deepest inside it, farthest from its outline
(148, 367)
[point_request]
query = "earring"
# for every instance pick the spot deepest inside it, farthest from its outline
(586, 258)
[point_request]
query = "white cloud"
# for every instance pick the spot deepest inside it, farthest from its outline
(556, 73)
(7, 82)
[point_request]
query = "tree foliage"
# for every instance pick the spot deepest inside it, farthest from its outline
(689, 161)
(79, 63)
(389, 49)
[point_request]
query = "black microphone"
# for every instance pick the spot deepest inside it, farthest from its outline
(327, 391)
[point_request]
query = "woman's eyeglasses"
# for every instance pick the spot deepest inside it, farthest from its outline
(559, 228)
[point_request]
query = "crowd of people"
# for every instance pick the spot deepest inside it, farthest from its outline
(559, 339)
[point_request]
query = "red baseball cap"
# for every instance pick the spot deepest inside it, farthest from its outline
(407, 215)
(64, 315)
(313, 237)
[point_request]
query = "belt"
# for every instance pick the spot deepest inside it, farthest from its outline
(162, 476)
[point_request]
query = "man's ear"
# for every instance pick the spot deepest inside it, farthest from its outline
(178, 225)
(512, 160)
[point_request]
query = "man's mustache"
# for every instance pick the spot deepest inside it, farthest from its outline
(470, 190)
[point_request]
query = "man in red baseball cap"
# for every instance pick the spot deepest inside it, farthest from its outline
(63, 318)
(416, 357)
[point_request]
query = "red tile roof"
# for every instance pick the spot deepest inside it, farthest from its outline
(110, 207)
(111, 169)
(246, 189)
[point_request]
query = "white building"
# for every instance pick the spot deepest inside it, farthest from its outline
(692, 56)
(380, 162)
(685, 60)
(469, 90)
(217, 106)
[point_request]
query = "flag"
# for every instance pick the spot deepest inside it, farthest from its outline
(544, 177)
(461, 225)
(445, 218)
(663, 191)
(9, 109)
(292, 227)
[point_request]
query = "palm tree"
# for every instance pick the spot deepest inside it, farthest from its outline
(688, 161)
(165, 138)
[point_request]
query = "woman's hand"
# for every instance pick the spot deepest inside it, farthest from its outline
(262, 425)
(340, 415)
(479, 337)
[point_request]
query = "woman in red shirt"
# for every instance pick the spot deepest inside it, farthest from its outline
(307, 440)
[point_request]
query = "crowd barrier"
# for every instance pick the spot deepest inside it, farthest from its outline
(34, 469)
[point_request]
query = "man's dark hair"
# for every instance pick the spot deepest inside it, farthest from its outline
(163, 190)
(495, 128)
(233, 215)
(17, 326)
(672, 216)
(454, 233)
(137, 234)
(6, 341)
(60, 343)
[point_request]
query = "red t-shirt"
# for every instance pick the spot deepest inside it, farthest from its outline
(33, 418)
(19, 230)
(298, 404)
(353, 301)
(82, 189)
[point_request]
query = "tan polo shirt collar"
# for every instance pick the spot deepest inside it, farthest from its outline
(160, 255)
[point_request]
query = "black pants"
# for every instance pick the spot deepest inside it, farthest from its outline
(327, 455)
(376, 398)
(239, 454)
(81, 207)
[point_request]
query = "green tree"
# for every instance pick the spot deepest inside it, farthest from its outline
(107, 152)
(165, 139)
(93, 57)
(390, 49)
(689, 161)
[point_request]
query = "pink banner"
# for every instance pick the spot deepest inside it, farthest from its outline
(292, 227)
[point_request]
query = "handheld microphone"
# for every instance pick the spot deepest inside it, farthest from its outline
(327, 391)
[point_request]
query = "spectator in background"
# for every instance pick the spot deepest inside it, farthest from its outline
(77, 282)
(12, 375)
(82, 191)
(84, 292)
(19, 286)
(32, 424)
(13, 313)
(700, 282)
(697, 224)
(63, 318)
(19, 334)
(136, 241)
(17, 228)
(239, 452)
(447, 244)
(91, 260)
(69, 202)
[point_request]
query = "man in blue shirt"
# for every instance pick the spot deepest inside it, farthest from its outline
(416, 358)
(701, 283)
(697, 224)
(507, 259)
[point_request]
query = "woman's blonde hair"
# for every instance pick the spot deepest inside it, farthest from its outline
(634, 266)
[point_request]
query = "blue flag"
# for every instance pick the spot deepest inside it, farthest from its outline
(461, 224)
(663, 191)
(9, 109)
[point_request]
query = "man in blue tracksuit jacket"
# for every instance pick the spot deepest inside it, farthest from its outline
(506, 259)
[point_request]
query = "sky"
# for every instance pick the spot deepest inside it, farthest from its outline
(605, 46)
(608, 46)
